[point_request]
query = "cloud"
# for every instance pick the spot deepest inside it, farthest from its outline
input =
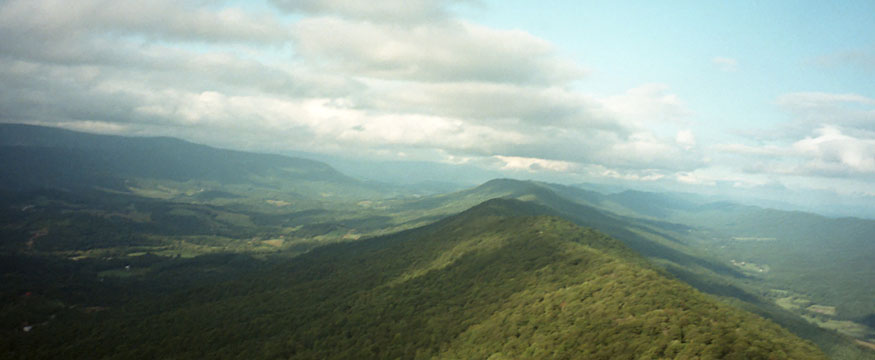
(692, 178)
(819, 99)
(452, 51)
(742, 149)
(686, 139)
(176, 20)
(534, 164)
(725, 64)
(853, 112)
(827, 152)
(645, 175)
(314, 124)
(829, 144)
(98, 127)
(831, 152)
(404, 11)
(645, 150)
(496, 104)
(647, 106)
(336, 80)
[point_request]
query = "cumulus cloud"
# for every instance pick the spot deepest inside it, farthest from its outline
(451, 51)
(831, 152)
(644, 150)
(497, 104)
(405, 11)
(176, 20)
(646, 106)
(826, 152)
(828, 143)
(686, 139)
(344, 77)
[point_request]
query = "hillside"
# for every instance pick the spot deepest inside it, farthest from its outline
(654, 239)
(793, 254)
(41, 157)
(498, 281)
(692, 239)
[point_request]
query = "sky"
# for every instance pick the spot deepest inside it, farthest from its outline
(773, 100)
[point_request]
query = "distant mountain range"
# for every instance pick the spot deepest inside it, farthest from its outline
(41, 157)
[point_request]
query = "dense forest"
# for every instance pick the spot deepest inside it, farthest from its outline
(497, 281)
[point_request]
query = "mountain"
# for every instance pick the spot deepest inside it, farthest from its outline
(691, 250)
(795, 250)
(819, 268)
(505, 279)
(648, 237)
(83, 210)
(41, 157)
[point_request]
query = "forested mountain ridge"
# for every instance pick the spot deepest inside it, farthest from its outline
(501, 280)
(819, 267)
(40, 157)
(713, 246)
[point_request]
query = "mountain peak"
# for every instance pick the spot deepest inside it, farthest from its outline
(507, 207)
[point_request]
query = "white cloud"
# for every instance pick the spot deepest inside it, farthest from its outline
(183, 20)
(453, 51)
(496, 104)
(829, 144)
(686, 139)
(647, 106)
(534, 164)
(647, 175)
(405, 11)
(432, 88)
(645, 150)
(311, 124)
(764, 150)
(98, 127)
(826, 152)
(692, 178)
(832, 152)
(725, 63)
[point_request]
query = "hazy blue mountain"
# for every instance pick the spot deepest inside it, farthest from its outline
(62, 153)
(40, 157)
(413, 172)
